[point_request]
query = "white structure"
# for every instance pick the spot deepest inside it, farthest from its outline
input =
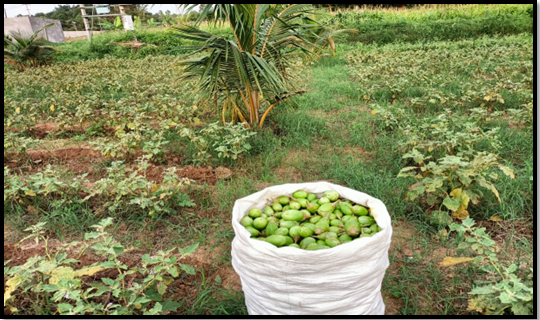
(29, 25)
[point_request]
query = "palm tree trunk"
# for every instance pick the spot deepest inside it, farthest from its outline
(256, 104)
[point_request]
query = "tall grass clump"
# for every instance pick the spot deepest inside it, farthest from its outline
(382, 26)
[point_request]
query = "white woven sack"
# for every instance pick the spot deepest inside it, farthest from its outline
(342, 280)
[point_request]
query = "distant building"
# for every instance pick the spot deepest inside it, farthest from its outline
(29, 25)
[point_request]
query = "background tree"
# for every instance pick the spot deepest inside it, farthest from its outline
(66, 14)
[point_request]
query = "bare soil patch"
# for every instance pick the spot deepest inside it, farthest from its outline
(392, 305)
(41, 130)
(83, 159)
(83, 154)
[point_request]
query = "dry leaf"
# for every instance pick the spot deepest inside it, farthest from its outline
(30, 193)
(450, 261)
(495, 218)
(32, 210)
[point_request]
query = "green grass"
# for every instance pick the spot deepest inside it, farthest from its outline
(426, 13)
(448, 23)
(104, 45)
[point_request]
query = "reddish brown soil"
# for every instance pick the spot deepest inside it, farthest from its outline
(81, 160)
(84, 154)
(43, 129)
(203, 174)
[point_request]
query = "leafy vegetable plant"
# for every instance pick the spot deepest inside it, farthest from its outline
(508, 292)
(128, 185)
(54, 286)
(454, 179)
(228, 141)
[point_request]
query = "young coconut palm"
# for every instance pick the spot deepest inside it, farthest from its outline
(23, 51)
(321, 37)
(247, 74)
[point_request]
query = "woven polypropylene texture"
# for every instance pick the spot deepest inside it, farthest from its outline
(344, 280)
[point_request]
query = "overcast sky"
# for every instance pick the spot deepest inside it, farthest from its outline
(13, 10)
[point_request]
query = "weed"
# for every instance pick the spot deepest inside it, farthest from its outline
(57, 288)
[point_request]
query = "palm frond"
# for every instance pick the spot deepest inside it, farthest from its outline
(27, 51)
(248, 72)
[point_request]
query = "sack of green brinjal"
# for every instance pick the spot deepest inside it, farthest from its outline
(311, 248)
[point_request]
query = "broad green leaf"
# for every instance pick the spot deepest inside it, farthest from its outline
(487, 242)
(520, 309)
(173, 271)
(141, 300)
(511, 269)
(505, 297)
(469, 222)
(431, 199)
(465, 180)
(463, 245)
(155, 310)
(108, 281)
(404, 172)
(145, 259)
(416, 155)
(450, 261)
(49, 287)
(457, 227)
(480, 232)
(440, 218)
(482, 290)
(188, 269)
(64, 307)
(161, 288)
(189, 249)
(107, 264)
(70, 261)
(116, 249)
(46, 266)
(478, 259)
(169, 305)
(452, 204)
(99, 247)
(151, 293)
(413, 194)
(434, 184)
(453, 160)
(488, 185)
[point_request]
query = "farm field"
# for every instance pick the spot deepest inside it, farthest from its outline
(437, 126)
